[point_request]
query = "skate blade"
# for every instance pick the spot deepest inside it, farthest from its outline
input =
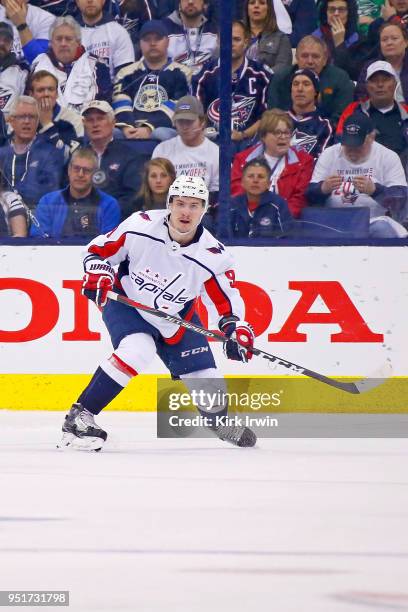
(71, 442)
(87, 443)
(66, 441)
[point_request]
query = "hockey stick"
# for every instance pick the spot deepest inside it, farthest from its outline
(353, 387)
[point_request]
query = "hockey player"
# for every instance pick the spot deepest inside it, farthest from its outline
(165, 260)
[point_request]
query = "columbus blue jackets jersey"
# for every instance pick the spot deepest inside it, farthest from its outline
(158, 272)
(312, 133)
(249, 87)
(192, 47)
(144, 96)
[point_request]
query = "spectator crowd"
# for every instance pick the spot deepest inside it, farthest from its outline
(103, 103)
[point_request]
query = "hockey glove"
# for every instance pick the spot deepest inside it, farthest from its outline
(240, 339)
(98, 280)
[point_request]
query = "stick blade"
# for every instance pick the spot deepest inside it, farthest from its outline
(375, 380)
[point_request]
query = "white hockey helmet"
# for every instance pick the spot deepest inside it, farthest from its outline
(191, 187)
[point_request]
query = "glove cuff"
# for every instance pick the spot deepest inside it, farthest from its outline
(96, 265)
(226, 321)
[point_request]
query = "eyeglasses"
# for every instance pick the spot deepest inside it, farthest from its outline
(280, 133)
(25, 117)
(79, 169)
(337, 9)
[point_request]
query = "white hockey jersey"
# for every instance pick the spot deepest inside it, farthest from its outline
(110, 42)
(77, 88)
(158, 272)
(12, 84)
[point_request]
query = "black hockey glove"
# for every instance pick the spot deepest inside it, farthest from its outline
(240, 339)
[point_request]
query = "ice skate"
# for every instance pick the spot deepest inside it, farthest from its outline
(238, 436)
(80, 431)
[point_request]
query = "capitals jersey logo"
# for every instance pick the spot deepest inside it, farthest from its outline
(155, 283)
(216, 250)
(150, 97)
(242, 107)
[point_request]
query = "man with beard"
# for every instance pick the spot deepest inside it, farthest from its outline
(193, 39)
(146, 91)
(249, 85)
(79, 209)
(103, 36)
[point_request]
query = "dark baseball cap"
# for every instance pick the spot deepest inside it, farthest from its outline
(355, 129)
(153, 26)
(188, 107)
(6, 30)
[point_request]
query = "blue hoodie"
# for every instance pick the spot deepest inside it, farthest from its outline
(34, 173)
(270, 219)
(52, 210)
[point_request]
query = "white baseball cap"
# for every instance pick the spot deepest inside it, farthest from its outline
(100, 105)
(380, 66)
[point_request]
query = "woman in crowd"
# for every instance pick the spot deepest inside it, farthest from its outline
(339, 29)
(158, 175)
(393, 49)
(268, 45)
(291, 170)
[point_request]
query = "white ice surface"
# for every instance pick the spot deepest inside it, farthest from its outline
(200, 526)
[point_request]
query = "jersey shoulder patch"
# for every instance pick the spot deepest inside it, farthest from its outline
(216, 250)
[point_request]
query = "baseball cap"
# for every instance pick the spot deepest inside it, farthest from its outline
(310, 75)
(100, 105)
(6, 30)
(380, 66)
(355, 129)
(188, 107)
(153, 26)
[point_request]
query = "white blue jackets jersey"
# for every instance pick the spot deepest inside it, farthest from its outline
(158, 272)
(249, 88)
(147, 97)
(191, 46)
(12, 83)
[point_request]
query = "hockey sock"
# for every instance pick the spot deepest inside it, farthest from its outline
(100, 392)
